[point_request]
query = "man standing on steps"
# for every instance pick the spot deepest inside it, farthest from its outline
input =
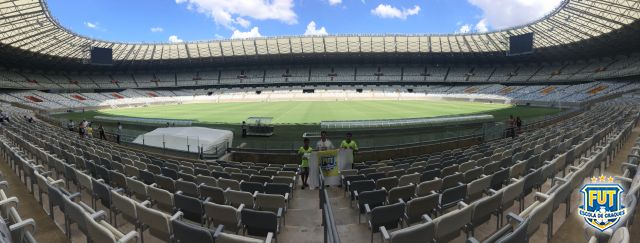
(305, 153)
(324, 143)
(348, 143)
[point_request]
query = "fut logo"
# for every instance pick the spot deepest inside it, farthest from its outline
(327, 162)
(602, 207)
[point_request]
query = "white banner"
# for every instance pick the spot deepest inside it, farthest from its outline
(344, 158)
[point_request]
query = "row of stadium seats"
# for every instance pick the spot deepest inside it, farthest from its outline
(581, 71)
(462, 189)
(499, 93)
(147, 191)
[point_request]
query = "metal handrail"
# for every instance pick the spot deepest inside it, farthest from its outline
(328, 221)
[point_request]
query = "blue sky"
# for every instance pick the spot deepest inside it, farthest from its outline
(191, 20)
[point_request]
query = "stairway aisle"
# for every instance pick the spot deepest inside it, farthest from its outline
(304, 219)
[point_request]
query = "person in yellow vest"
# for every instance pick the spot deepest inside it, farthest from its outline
(305, 154)
(348, 143)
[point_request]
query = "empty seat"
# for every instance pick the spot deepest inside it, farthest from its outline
(184, 232)
(236, 198)
(388, 216)
(418, 233)
(218, 214)
(191, 207)
(260, 223)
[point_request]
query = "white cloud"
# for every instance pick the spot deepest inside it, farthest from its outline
(313, 30)
(91, 25)
(335, 2)
(481, 26)
(243, 22)
(508, 13)
(230, 13)
(253, 33)
(95, 26)
(156, 29)
(388, 11)
(464, 29)
(175, 39)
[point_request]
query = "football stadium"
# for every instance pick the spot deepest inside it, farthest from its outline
(522, 127)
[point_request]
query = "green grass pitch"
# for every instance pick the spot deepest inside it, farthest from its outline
(312, 112)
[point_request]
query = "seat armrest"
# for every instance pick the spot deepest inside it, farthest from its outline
(97, 215)
(400, 200)
(179, 192)
(426, 218)
(269, 238)
(218, 230)
(46, 173)
(462, 205)
(240, 208)
(512, 216)
(279, 214)
(255, 194)
(58, 183)
(129, 236)
(385, 234)
(560, 179)
(286, 196)
(177, 215)
(355, 193)
(472, 240)
(100, 180)
(24, 223)
(539, 195)
(367, 209)
(74, 195)
(146, 203)
(12, 200)
(154, 185)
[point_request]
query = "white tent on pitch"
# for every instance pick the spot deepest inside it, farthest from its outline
(213, 141)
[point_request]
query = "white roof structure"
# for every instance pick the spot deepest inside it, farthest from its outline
(213, 141)
(28, 25)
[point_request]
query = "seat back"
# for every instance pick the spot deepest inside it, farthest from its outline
(98, 233)
(187, 188)
(403, 192)
(226, 215)
(102, 192)
(476, 188)
(137, 189)
(270, 202)
(448, 226)
(157, 222)
(421, 205)
(162, 198)
(235, 198)
(387, 183)
(426, 187)
(215, 194)
(424, 232)
(483, 208)
(252, 187)
(388, 216)
(259, 223)
(190, 206)
(188, 233)
(166, 183)
(450, 197)
(374, 198)
(228, 184)
(409, 179)
(124, 205)
(207, 180)
(452, 181)
(278, 188)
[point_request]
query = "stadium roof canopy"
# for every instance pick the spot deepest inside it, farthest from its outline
(576, 29)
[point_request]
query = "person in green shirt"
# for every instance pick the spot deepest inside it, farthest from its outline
(305, 153)
(349, 144)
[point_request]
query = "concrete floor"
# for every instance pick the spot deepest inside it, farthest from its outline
(303, 222)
